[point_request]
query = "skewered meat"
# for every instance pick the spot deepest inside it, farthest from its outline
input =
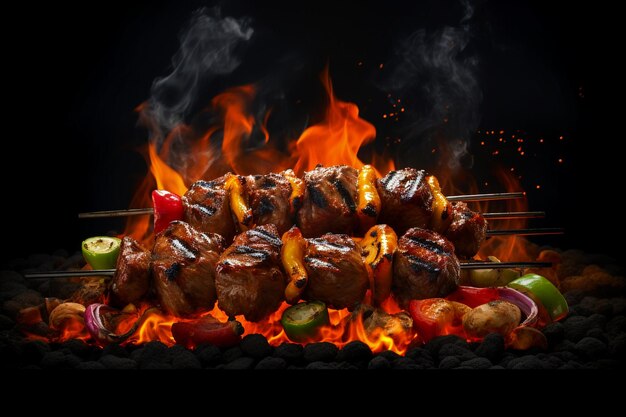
(269, 199)
(330, 201)
(406, 199)
(131, 281)
(249, 278)
(424, 266)
(337, 273)
(183, 266)
(467, 230)
(207, 208)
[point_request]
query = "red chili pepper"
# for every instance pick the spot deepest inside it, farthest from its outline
(167, 208)
(209, 330)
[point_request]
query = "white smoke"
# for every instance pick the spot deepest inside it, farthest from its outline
(435, 70)
(209, 47)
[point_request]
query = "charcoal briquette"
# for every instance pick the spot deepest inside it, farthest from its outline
(477, 363)
(321, 351)
(291, 352)
(491, 348)
(271, 363)
(232, 354)
(449, 362)
(114, 362)
(355, 351)
(526, 362)
(379, 362)
(208, 355)
(91, 365)
(256, 346)
(390, 355)
(244, 362)
(453, 349)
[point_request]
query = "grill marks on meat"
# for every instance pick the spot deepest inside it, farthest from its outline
(424, 266)
(467, 230)
(337, 274)
(183, 266)
(207, 208)
(269, 200)
(131, 281)
(329, 202)
(406, 199)
(249, 278)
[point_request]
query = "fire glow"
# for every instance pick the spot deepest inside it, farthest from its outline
(225, 147)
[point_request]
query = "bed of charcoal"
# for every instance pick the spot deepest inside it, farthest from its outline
(593, 336)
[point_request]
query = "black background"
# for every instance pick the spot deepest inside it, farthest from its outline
(73, 76)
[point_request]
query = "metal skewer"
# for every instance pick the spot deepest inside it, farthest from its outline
(515, 215)
(72, 274)
(467, 197)
(116, 213)
(504, 265)
(486, 197)
(111, 272)
(527, 232)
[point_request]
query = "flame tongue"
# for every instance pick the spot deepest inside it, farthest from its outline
(337, 139)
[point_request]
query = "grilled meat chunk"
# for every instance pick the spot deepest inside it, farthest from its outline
(269, 199)
(330, 201)
(337, 274)
(131, 281)
(424, 266)
(249, 278)
(406, 199)
(207, 208)
(467, 230)
(183, 268)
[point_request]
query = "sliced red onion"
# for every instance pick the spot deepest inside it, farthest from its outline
(98, 329)
(525, 304)
(473, 297)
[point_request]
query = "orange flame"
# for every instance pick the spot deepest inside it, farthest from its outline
(507, 248)
(335, 140)
(240, 142)
(341, 330)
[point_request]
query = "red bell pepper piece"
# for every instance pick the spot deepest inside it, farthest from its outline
(167, 208)
(209, 330)
(435, 317)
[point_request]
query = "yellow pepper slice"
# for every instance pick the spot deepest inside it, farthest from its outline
(369, 205)
(378, 246)
(297, 190)
(238, 202)
(292, 257)
(442, 209)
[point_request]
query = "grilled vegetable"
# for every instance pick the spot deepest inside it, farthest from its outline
(436, 316)
(303, 321)
(369, 204)
(297, 190)
(238, 202)
(69, 318)
(497, 316)
(208, 330)
(378, 246)
(102, 322)
(544, 293)
(292, 256)
(101, 252)
(492, 277)
(442, 209)
(167, 208)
